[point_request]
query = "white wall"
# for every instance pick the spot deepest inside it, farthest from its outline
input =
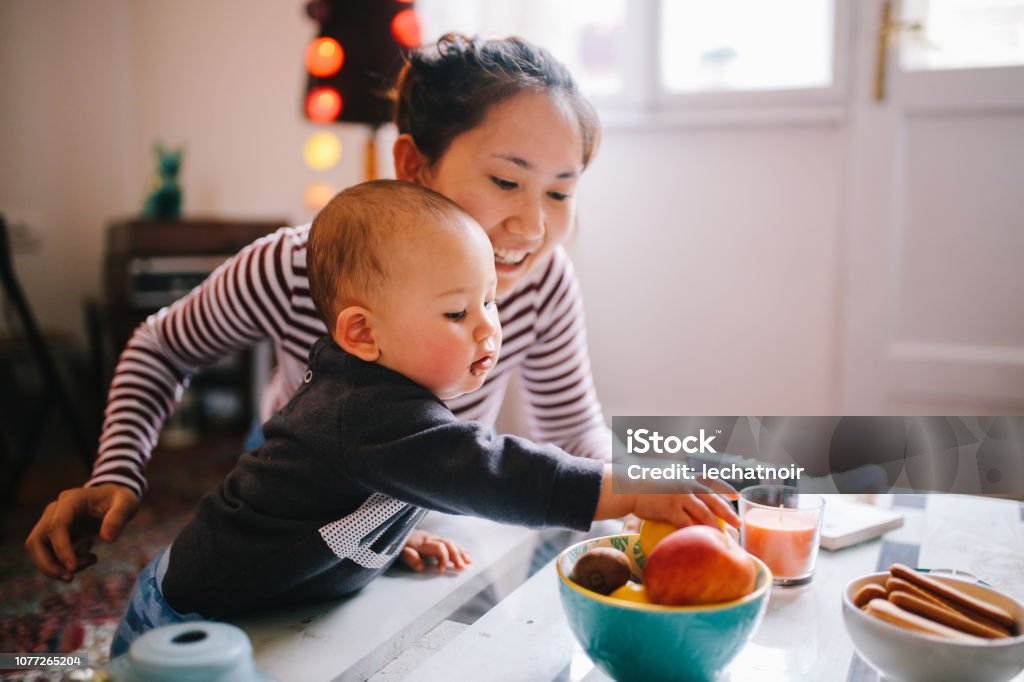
(226, 78)
(709, 263)
(708, 256)
(65, 132)
(89, 87)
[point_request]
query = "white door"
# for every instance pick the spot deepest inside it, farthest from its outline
(934, 249)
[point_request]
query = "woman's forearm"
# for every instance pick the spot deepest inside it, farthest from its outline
(152, 372)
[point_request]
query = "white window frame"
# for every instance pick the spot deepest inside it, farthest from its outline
(644, 104)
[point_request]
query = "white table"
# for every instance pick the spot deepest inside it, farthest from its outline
(352, 638)
(391, 631)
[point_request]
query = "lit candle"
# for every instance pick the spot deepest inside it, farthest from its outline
(782, 538)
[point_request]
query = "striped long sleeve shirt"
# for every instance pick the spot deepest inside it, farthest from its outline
(263, 293)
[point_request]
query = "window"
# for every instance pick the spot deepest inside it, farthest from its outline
(963, 34)
(714, 45)
(656, 57)
(587, 35)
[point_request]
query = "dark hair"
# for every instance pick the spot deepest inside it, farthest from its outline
(446, 89)
(346, 256)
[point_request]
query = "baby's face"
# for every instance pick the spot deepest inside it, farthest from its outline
(436, 321)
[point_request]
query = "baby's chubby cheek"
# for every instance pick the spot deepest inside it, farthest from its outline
(443, 360)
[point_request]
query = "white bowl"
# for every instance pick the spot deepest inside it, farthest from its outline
(907, 656)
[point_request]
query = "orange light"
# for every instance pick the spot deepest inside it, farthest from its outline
(323, 105)
(317, 194)
(324, 57)
(405, 27)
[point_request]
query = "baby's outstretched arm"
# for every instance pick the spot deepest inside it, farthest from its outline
(689, 503)
(423, 546)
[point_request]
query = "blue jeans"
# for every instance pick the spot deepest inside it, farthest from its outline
(254, 439)
(147, 609)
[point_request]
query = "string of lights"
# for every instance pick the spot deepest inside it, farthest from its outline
(349, 66)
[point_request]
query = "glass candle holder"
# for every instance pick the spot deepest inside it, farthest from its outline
(782, 528)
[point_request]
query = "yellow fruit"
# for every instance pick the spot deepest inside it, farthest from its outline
(631, 591)
(651, 533)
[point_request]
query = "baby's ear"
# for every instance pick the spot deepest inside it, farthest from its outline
(352, 331)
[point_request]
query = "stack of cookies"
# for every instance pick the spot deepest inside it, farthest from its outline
(919, 602)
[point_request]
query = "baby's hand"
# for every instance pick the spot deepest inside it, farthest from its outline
(423, 547)
(631, 523)
(687, 509)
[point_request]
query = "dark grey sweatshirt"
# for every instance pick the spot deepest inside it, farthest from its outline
(349, 467)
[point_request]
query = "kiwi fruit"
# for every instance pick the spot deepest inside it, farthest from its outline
(602, 569)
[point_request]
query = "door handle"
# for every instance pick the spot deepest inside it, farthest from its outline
(887, 28)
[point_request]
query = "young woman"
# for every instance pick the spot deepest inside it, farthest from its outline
(497, 126)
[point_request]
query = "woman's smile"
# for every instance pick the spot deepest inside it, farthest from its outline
(508, 256)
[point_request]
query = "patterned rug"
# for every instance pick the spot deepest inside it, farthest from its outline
(38, 614)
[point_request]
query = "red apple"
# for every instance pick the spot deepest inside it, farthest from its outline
(698, 565)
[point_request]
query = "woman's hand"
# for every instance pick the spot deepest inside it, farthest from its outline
(422, 547)
(61, 541)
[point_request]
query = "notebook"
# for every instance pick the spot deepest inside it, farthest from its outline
(848, 522)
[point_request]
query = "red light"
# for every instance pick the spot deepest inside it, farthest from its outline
(405, 27)
(324, 57)
(323, 105)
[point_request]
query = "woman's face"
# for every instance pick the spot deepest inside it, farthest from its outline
(516, 174)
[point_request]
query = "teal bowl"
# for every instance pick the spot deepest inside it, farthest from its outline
(646, 642)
